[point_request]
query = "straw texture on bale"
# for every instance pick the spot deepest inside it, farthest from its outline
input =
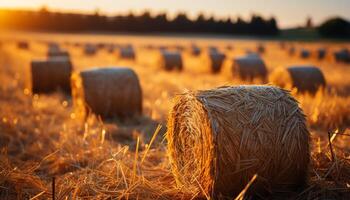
(304, 53)
(304, 78)
(107, 92)
(249, 68)
(127, 53)
(50, 75)
(215, 60)
(218, 139)
(170, 60)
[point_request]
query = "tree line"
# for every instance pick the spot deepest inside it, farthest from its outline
(45, 20)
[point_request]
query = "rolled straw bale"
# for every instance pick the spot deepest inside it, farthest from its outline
(23, 45)
(107, 92)
(321, 53)
(304, 78)
(212, 49)
(249, 68)
(304, 53)
(215, 60)
(260, 48)
(50, 75)
(170, 60)
(291, 50)
(90, 49)
(57, 52)
(127, 52)
(342, 55)
(218, 139)
(195, 50)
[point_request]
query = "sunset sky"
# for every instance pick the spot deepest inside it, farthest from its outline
(288, 13)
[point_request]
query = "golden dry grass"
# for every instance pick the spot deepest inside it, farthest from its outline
(41, 137)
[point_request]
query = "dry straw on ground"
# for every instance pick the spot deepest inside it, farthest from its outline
(50, 75)
(170, 60)
(249, 68)
(304, 78)
(107, 92)
(218, 139)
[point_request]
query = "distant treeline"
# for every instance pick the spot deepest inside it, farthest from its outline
(335, 28)
(44, 20)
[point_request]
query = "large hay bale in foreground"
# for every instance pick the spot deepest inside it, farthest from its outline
(304, 78)
(107, 92)
(218, 139)
(170, 60)
(50, 75)
(249, 68)
(215, 60)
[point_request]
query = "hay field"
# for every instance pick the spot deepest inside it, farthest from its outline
(44, 144)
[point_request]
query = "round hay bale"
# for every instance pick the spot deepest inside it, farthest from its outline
(342, 55)
(215, 60)
(23, 45)
(304, 78)
(249, 68)
(218, 139)
(127, 53)
(90, 49)
(195, 50)
(291, 51)
(260, 48)
(321, 53)
(107, 92)
(304, 53)
(170, 60)
(57, 53)
(50, 75)
(213, 49)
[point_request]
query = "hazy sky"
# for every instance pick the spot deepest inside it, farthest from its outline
(288, 13)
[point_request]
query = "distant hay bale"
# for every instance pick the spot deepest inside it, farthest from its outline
(342, 55)
(50, 75)
(282, 45)
(218, 139)
(23, 45)
(107, 92)
(321, 53)
(249, 68)
(90, 49)
(291, 51)
(304, 53)
(215, 60)
(213, 49)
(195, 50)
(170, 60)
(127, 53)
(53, 53)
(260, 48)
(304, 78)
